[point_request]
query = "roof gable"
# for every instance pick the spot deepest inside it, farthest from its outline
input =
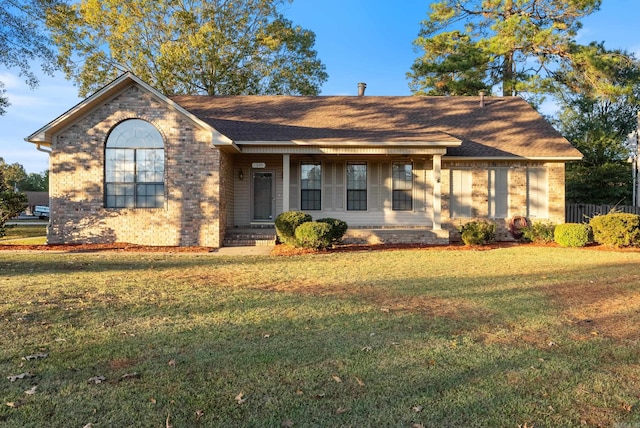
(44, 135)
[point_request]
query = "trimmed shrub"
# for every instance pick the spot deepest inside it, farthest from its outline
(479, 232)
(286, 224)
(572, 234)
(539, 232)
(314, 234)
(338, 228)
(616, 229)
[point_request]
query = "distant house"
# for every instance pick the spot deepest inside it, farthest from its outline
(35, 199)
(129, 164)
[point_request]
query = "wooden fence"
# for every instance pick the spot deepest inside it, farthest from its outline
(582, 213)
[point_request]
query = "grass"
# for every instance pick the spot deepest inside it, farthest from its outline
(24, 234)
(546, 337)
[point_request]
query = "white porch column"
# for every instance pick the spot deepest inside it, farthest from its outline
(286, 182)
(437, 193)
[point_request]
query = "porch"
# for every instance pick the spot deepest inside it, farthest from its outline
(367, 192)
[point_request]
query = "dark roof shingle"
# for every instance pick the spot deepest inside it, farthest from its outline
(505, 126)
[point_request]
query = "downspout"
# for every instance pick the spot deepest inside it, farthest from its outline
(40, 149)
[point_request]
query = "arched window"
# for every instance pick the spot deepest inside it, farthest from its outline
(134, 166)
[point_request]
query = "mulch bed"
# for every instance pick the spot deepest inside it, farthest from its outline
(285, 250)
(116, 247)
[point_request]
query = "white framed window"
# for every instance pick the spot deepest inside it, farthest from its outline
(537, 192)
(498, 192)
(311, 186)
(356, 186)
(402, 186)
(134, 166)
(460, 192)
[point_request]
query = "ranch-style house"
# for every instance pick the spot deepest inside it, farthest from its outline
(129, 164)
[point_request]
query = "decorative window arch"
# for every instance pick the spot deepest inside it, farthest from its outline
(134, 166)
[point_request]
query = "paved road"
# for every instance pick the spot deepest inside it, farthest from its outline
(27, 222)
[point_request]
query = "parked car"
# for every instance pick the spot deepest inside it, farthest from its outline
(42, 211)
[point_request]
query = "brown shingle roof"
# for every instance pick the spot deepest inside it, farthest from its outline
(504, 127)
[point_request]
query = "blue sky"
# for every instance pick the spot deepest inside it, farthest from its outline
(358, 41)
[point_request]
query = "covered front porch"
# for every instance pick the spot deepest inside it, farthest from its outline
(387, 197)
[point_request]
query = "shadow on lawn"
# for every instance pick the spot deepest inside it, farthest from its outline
(468, 350)
(54, 263)
(285, 352)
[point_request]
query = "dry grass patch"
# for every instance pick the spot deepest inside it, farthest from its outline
(601, 307)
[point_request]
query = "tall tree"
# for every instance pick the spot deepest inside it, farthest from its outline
(598, 116)
(520, 41)
(23, 41)
(599, 129)
(452, 64)
(213, 47)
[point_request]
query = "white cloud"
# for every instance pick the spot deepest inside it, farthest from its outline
(10, 80)
(585, 35)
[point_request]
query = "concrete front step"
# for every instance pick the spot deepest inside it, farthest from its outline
(249, 238)
(248, 242)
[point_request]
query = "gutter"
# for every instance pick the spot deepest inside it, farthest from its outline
(40, 149)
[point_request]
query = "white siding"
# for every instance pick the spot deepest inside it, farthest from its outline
(339, 188)
(328, 177)
(242, 188)
(379, 192)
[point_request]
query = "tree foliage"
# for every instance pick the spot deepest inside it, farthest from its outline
(215, 47)
(606, 184)
(597, 117)
(23, 41)
(598, 73)
(14, 176)
(516, 44)
(452, 64)
(11, 203)
(35, 182)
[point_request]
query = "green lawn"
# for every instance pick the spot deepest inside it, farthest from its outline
(24, 234)
(546, 337)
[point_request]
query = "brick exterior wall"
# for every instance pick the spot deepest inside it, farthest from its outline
(194, 180)
(199, 183)
(517, 193)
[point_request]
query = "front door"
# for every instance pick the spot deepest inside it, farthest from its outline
(263, 195)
